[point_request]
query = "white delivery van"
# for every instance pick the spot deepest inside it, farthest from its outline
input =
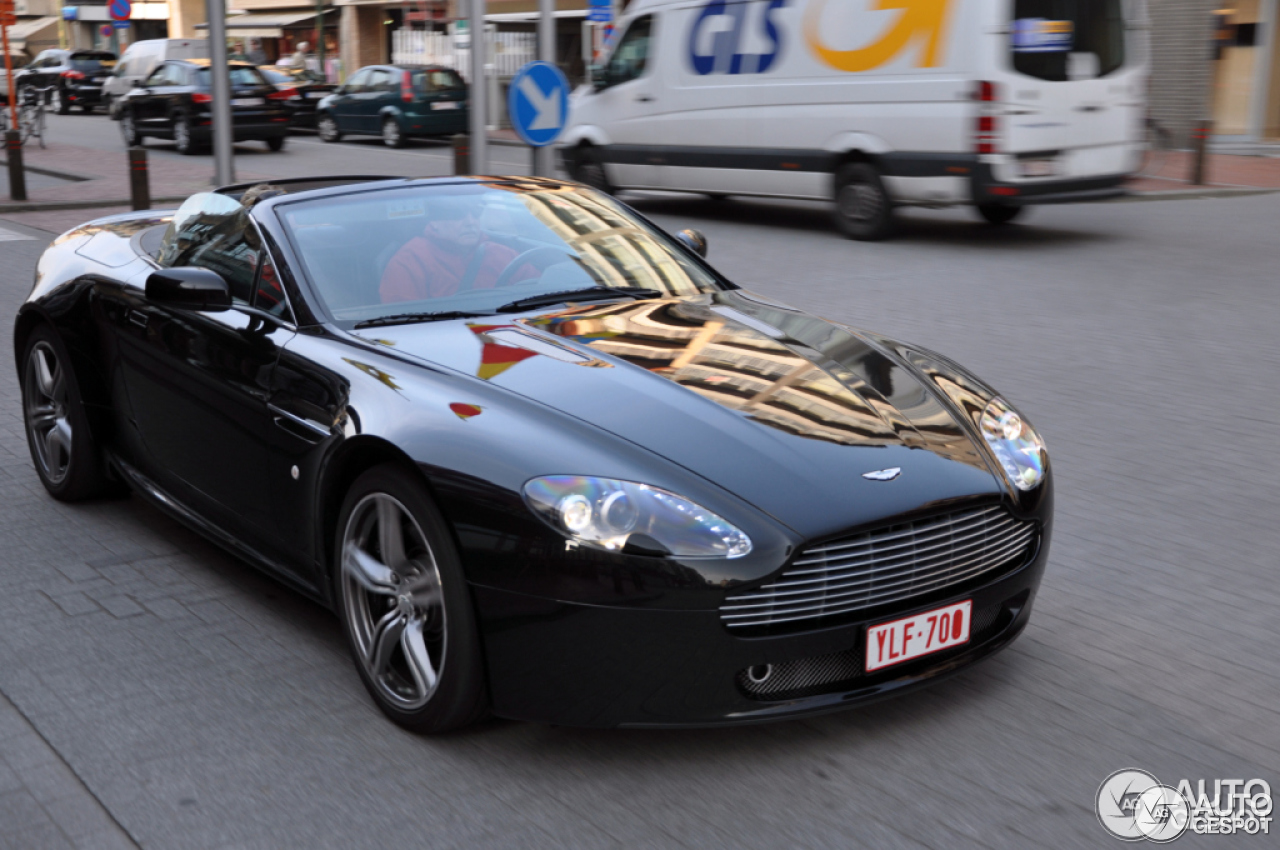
(870, 103)
(143, 57)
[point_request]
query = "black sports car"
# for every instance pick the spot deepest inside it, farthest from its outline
(539, 456)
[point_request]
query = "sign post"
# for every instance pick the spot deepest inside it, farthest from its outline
(224, 168)
(12, 139)
(544, 163)
(120, 12)
(478, 105)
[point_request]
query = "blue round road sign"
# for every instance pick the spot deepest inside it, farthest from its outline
(538, 102)
(120, 10)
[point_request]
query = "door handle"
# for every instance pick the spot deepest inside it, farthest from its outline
(303, 429)
(644, 98)
(139, 318)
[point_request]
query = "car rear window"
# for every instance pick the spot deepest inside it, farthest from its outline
(1060, 40)
(437, 80)
(92, 61)
(239, 77)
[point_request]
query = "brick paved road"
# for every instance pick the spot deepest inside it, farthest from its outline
(205, 707)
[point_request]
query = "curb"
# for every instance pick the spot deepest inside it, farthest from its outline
(1190, 194)
(52, 206)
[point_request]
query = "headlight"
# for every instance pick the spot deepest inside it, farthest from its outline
(610, 514)
(1015, 444)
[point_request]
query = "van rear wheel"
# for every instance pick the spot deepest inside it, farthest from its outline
(999, 213)
(864, 210)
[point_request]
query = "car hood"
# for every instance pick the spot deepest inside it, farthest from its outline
(785, 410)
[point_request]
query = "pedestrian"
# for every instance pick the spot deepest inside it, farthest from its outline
(299, 57)
(256, 54)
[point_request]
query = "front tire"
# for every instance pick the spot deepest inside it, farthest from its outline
(182, 138)
(62, 448)
(587, 169)
(327, 127)
(402, 597)
(129, 129)
(58, 102)
(392, 135)
(275, 143)
(864, 209)
(999, 213)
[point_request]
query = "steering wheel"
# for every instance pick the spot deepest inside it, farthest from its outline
(548, 251)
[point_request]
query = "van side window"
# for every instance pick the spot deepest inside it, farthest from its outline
(630, 58)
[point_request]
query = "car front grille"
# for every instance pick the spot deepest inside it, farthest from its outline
(887, 565)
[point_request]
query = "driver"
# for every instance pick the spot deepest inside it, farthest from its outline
(452, 255)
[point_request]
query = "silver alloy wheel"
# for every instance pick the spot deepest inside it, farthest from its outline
(391, 133)
(860, 202)
(127, 129)
(393, 601)
(328, 129)
(182, 135)
(55, 100)
(45, 405)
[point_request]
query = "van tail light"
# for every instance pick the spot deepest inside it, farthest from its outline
(406, 88)
(986, 136)
(201, 97)
(72, 75)
(283, 94)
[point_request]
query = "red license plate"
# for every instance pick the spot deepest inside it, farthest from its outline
(920, 634)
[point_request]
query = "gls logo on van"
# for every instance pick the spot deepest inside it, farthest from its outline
(716, 39)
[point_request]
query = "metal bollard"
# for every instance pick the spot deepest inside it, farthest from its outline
(17, 176)
(139, 179)
(1199, 148)
(461, 154)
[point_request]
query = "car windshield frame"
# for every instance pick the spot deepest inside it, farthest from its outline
(695, 276)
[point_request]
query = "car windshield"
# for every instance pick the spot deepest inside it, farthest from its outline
(92, 61)
(240, 76)
(478, 248)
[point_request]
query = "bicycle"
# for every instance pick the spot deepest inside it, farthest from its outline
(31, 103)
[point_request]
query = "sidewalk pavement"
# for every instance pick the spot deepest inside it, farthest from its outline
(68, 184)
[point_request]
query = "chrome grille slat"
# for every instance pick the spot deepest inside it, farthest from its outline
(871, 576)
(875, 551)
(785, 605)
(893, 561)
(930, 524)
(875, 568)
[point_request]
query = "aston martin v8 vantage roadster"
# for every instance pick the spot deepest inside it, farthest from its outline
(540, 458)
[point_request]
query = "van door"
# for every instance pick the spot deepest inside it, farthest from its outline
(1070, 77)
(627, 99)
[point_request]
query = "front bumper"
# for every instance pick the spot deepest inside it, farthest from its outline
(586, 665)
(988, 190)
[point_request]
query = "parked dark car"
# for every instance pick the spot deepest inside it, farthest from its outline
(396, 102)
(536, 453)
(175, 102)
(75, 76)
(309, 89)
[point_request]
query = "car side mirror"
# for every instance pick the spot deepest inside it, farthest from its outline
(599, 77)
(137, 84)
(189, 288)
(694, 241)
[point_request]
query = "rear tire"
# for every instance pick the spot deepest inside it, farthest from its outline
(58, 102)
(392, 135)
(327, 127)
(275, 143)
(999, 213)
(129, 129)
(401, 594)
(864, 209)
(62, 448)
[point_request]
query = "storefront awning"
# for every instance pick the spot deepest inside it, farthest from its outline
(29, 30)
(266, 24)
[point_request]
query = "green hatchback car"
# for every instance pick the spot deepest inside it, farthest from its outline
(395, 102)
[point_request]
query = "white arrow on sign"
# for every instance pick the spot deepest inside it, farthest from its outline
(546, 105)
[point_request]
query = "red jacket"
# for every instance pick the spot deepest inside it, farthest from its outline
(423, 269)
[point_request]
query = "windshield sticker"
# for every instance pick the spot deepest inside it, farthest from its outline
(405, 209)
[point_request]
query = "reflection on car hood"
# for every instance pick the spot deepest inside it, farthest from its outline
(785, 410)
